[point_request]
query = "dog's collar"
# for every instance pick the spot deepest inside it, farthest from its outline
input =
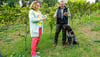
(70, 32)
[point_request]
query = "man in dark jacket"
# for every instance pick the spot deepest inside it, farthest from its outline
(62, 19)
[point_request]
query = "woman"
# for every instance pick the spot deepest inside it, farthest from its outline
(36, 26)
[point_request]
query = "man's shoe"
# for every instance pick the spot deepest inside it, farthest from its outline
(54, 45)
(64, 46)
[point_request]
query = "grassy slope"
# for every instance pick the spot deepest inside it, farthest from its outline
(88, 48)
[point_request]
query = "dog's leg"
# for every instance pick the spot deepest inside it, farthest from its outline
(75, 41)
(71, 42)
(68, 41)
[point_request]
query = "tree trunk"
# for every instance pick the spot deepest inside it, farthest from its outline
(19, 29)
(6, 30)
(25, 37)
(51, 32)
(26, 34)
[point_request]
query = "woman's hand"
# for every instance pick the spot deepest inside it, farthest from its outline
(43, 19)
(54, 16)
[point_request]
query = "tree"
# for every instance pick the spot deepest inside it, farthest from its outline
(1, 3)
(11, 3)
(50, 2)
(96, 1)
(45, 9)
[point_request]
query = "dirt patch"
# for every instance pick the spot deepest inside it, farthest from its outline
(0, 41)
(13, 35)
(86, 30)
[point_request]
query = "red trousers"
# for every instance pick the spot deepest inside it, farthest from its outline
(35, 41)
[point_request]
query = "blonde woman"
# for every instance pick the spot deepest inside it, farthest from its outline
(36, 25)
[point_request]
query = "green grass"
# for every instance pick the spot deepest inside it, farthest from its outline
(96, 40)
(95, 28)
(8, 39)
(96, 17)
(88, 47)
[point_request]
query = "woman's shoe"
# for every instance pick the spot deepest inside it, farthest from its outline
(36, 56)
(37, 52)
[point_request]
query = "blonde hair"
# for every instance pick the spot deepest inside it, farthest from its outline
(34, 5)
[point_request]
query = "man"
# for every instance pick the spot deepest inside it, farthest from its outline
(62, 19)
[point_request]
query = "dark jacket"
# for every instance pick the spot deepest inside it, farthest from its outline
(65, 19)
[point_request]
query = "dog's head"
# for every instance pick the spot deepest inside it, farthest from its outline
(66, 27)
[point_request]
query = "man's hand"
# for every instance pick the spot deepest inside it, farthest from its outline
(54, 16)
(65, 14)
(64, 27)
(43, 19)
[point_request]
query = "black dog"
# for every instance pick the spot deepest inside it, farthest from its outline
(71, 36)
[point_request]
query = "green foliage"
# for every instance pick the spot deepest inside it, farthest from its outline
(11, 15)
(1, 3)
(99, 5)
(8, 39)
(96, 40)
(24, 15)
(96, 1)
(45, 9)
(95, 28)
(11, 3)
(16, 55)
(50, 2)
(79, 8)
